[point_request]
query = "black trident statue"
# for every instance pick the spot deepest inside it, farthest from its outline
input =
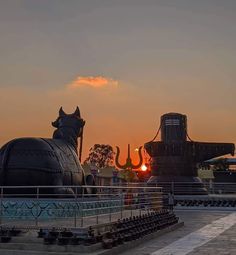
(129, 165)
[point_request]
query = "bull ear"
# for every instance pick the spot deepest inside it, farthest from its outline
(77, 112)
(61, 112)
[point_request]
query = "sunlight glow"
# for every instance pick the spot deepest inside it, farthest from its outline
(143, 168)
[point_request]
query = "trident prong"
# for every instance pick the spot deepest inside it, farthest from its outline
(129, 165)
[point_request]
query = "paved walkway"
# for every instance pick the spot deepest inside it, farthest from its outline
(205, 232)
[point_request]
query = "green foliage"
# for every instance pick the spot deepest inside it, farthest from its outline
(101, 155)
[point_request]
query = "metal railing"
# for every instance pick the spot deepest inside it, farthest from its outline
(185, 188)
(38, 206)
(221, 187)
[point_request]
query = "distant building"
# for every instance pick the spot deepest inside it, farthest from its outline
(107, 176)
(218, 170)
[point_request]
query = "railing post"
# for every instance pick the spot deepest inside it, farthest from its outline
(131, 204)
(213, 187)
(97, 207)
(96, 215)
(82, 212)
(172, 188)
(140, 201)
(210, 186)
(75, 211)
(37, 211)
(109, 194)
(1, 205)
(121, 205)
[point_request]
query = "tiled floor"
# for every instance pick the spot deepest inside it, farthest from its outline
(222, 242)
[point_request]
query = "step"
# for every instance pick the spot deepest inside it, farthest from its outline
(49, 248)
(31, 252)
(27, 239)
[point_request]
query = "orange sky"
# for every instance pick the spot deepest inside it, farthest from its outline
(115, 116)
(124, 63)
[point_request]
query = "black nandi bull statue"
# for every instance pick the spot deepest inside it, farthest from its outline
(44, 162)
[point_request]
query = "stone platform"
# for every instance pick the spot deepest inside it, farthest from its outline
(30, 244)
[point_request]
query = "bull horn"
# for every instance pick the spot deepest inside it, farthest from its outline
(77, 112)
(61, 112)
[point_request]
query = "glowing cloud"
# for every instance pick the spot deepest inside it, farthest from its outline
(92, 81)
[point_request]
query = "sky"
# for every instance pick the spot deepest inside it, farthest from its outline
(123, 62)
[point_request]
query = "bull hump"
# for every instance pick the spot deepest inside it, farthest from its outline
(50, 155)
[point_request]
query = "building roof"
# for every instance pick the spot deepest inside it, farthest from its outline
(216, 160)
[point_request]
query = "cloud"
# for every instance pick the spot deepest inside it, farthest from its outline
(92, 81)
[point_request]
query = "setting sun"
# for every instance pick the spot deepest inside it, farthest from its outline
(143, 168)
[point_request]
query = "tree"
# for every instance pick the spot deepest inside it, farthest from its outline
(100, 155)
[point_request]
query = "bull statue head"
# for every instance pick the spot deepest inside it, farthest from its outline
(69, 122)
(65, 120)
